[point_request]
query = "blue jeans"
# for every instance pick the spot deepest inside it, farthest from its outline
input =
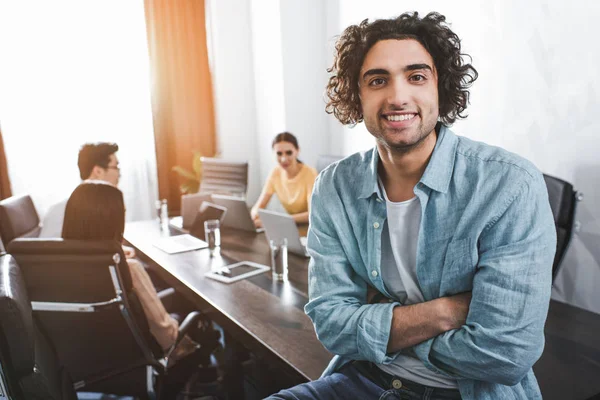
(363, 380)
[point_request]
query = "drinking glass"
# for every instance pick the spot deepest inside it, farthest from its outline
(279, 259)
(212, 235)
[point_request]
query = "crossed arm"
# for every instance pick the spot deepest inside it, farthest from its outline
(416, 323)
(496, 335)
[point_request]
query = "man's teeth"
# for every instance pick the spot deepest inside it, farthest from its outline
(402, 117)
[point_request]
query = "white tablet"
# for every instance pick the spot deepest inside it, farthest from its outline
(237, 271)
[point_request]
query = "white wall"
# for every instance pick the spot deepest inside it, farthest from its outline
(304, 74)
(230, 50)
(268, 77)
(268, 63)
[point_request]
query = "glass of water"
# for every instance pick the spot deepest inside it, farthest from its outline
(212, 235)
(279, 259)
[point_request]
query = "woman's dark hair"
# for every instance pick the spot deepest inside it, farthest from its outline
(95, 211)
(454, 76)
(286, 137)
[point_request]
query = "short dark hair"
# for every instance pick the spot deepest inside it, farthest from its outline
(432, 32)
(92, 154)
(95, 211)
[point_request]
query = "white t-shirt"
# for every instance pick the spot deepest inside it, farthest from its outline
(399, 273)
(53, 221)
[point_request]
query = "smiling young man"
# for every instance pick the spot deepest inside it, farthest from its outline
(431, 254)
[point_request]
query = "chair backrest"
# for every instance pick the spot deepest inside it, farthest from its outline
(224, 177)
(82, 296)
(29, 361)
(324, 160)
(563, 202)
(18, 218)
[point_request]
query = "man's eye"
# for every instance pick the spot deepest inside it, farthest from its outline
(279, 154)
(417, 78)
(377, 82)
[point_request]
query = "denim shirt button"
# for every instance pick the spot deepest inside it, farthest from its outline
(376, 225)
(397, 384)
(374, 273)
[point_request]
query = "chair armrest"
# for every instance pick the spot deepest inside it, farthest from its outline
(188, 323)
(166, 293)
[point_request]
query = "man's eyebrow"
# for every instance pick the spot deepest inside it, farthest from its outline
(413, 67)
(375, 71)
(381, 71)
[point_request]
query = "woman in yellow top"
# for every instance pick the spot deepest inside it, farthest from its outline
(292, 181)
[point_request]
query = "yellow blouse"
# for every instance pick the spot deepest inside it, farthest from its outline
(294, 194)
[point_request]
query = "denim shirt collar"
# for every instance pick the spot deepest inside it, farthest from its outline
(437, 174)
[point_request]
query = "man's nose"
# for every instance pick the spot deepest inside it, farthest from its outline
(398, 94)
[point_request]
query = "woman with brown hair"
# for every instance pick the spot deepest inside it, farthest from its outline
(291, 180)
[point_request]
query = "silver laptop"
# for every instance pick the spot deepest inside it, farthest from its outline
(190, 204)
(279, 226)
(238, 215)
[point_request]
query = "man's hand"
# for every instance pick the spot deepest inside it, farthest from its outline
(129, 252)
(372, 292)
(455, 309)
(418, 322)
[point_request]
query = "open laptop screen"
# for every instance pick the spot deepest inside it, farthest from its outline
(206, 212)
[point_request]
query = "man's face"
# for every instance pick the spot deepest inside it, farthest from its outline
(398, 93)
(110, 174)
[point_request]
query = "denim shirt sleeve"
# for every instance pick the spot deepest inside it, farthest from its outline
(345, 324)
(504, 332)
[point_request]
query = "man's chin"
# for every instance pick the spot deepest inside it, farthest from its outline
(402, 146)
(400, 141)
(403, 140)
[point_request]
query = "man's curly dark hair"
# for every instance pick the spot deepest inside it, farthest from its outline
(454, 76)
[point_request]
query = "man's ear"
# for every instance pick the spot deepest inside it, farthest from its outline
(96, 172)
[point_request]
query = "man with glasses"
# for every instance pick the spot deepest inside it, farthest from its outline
(97, 161)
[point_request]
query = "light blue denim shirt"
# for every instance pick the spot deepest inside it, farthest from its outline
(486, 227)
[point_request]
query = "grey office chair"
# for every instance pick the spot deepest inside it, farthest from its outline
(30, 366)
(324, 160)
(18, 218)
(563, 202)
(224, 177)
(82, 298)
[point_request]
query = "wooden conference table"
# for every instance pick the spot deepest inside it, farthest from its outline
(268, 318)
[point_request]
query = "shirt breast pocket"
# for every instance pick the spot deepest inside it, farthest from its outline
(459, 268)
